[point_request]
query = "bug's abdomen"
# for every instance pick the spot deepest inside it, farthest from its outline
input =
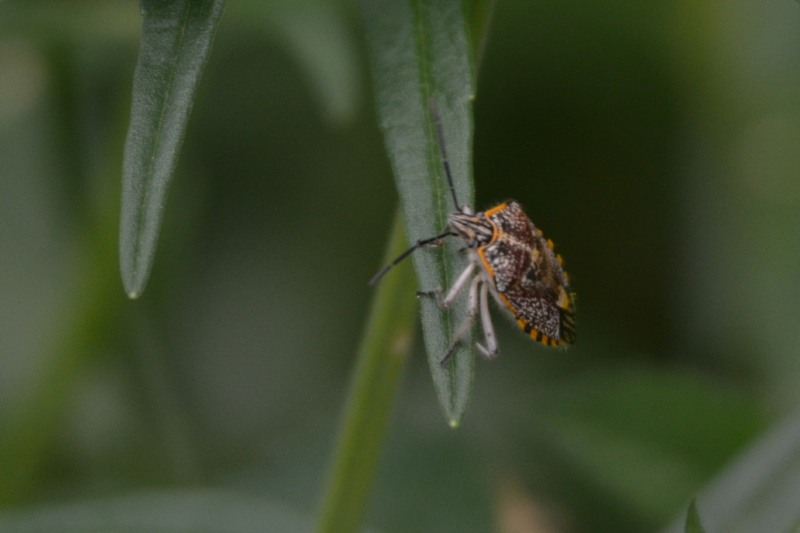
(528, 276)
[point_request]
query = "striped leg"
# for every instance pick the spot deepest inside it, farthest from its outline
(454, 291)
(490, 351)
(458, 285)
(472, 313)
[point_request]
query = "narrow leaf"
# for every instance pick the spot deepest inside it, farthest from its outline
(176, 39)
(693, 523)
(760, 491)
(318, 36)
(165, 511)
(420, 54)
(479, 15)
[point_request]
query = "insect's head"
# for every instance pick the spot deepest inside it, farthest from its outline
(475, 230)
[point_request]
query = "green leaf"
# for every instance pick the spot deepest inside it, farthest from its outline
(479, 14)
(420, 53)
(621, 427)
(693, 524)
(163, 511)
(318, 36)
(760, 491)
(176, 38)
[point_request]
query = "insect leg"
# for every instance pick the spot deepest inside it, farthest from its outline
(454, 291)
(458, 285)
(490, 350)
(469, 320)
(433, 293)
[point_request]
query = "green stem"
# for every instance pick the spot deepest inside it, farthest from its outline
(32, 427)
(382, 355)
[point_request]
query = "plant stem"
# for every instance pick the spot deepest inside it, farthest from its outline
(32, 428)
(381, 357)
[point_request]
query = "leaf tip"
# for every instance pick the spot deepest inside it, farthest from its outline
(133, 281)
(693, 523)
(454, 423)
(132, 287)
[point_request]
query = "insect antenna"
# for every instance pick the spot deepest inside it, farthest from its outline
(437, 120)
(419, 244)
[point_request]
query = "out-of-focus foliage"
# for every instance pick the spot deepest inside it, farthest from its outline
(656, 144)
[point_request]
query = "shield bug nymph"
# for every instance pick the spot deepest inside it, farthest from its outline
(510, 259)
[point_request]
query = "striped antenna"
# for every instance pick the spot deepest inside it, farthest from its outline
(437, 120)
(419, 244)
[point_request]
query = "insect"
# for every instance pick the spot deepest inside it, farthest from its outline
(510, 259)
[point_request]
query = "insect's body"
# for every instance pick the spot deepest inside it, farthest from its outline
(521, 269)
(510, 259)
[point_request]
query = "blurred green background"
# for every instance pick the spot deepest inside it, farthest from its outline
(655, 143)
